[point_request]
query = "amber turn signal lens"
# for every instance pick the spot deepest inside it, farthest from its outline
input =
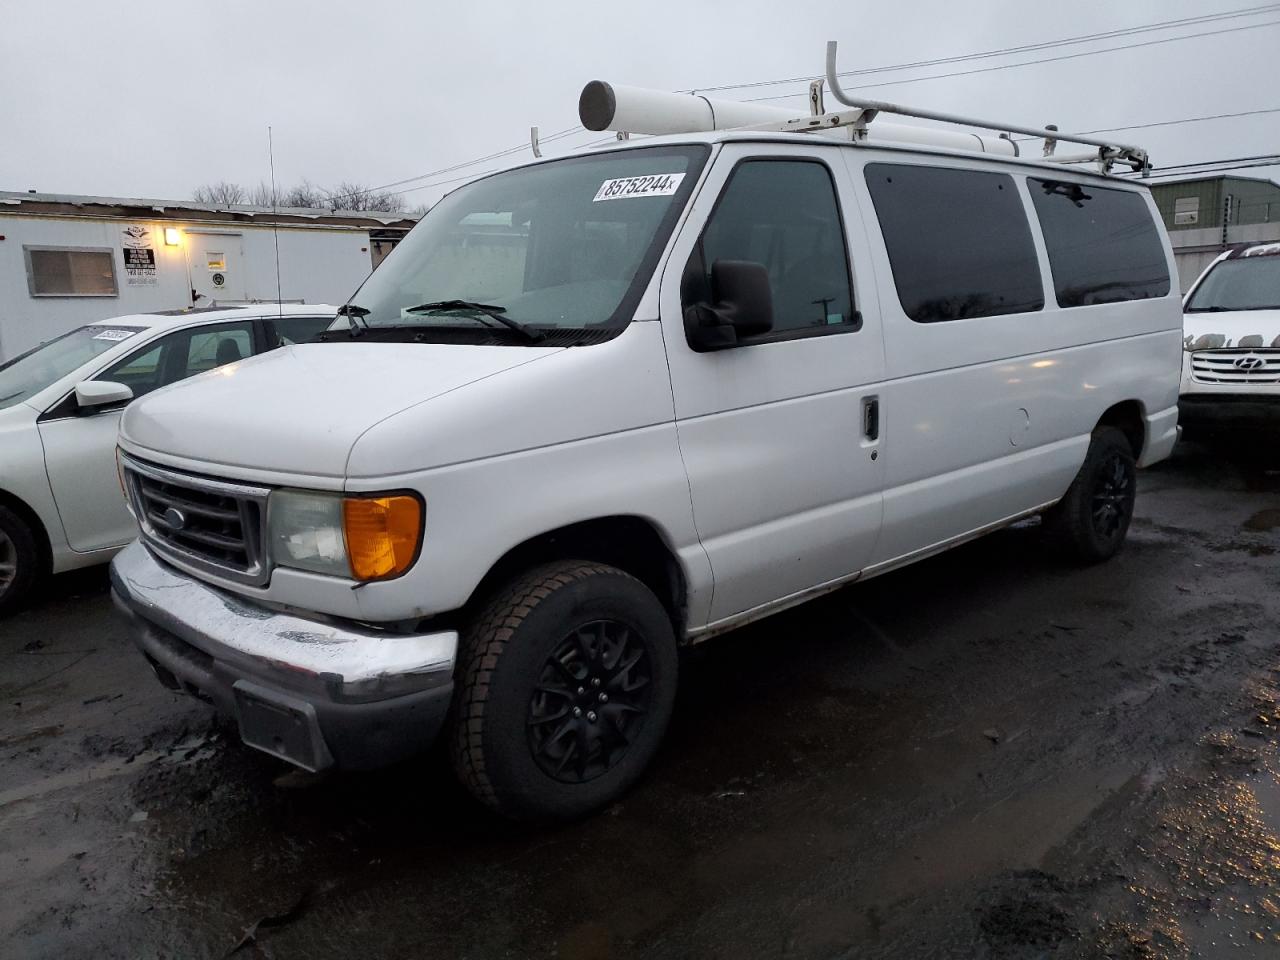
(382, 535)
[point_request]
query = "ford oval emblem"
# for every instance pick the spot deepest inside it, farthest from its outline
(175, 519)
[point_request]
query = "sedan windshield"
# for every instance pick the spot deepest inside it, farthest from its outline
(27, 374)
(566, 244)
(1248, 283)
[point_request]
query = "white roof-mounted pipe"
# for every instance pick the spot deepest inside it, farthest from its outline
(606, 106)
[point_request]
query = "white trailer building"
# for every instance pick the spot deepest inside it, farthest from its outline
(70, 260)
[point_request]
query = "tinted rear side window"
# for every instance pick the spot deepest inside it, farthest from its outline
(1103, 244)
(958, 241)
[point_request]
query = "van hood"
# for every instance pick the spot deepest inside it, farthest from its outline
(1241, 329)
(300, 409)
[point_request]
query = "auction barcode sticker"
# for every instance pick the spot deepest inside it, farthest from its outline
(654, 185)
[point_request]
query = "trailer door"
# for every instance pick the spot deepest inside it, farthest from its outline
(216, 262)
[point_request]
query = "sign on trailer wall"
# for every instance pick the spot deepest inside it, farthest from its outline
(139, 257)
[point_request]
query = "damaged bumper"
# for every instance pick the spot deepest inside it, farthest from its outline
(317, 694)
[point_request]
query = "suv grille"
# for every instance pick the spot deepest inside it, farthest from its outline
(212, 525)
(1236, 366)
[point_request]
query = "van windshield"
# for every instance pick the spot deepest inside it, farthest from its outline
(27, 374)
(1247, 283)
(563, 245)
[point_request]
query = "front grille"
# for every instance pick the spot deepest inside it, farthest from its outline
(1236, 366)
(213, 525)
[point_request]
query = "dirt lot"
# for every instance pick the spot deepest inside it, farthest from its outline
(987, 755)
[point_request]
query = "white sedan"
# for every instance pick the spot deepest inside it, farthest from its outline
(61, 506)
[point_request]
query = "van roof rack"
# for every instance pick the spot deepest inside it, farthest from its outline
(863, 112)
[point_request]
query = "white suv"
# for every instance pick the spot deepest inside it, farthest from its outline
(60, 500)
(598, 406)
(1231, 335)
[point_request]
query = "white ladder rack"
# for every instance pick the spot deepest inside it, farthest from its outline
(863, 112)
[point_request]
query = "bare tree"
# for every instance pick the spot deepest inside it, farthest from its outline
(345, 196)
(220, 192)
(356, 196)
(262, 195)
(304, 194)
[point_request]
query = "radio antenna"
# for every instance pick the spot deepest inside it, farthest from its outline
(275, 219)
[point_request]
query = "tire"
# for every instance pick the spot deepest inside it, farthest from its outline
(562, 637)
(1090, 522)
(20, 565)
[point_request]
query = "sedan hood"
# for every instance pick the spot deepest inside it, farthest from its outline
(1241, 329)
(300, 409)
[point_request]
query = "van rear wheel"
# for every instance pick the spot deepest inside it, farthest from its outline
(1091, 521)
(567, 684)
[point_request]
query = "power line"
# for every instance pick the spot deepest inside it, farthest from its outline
(1169, 123)
(569, 131)
(1183, 166)
(1212, 166)
(1006, 51)
(1030, 63)
(1166, 123)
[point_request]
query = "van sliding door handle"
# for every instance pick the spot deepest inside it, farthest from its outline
(871, 418)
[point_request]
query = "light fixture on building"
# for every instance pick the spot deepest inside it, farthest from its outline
(171, 236)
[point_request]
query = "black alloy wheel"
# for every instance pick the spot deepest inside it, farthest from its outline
(1091, 520)
(566, 681)
(590, 702)
(1113, 497)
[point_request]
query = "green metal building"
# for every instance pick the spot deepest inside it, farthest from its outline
(1206, 215)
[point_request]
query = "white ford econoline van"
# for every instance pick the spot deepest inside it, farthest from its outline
(601, 405)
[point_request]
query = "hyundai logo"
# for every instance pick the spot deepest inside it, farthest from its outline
(1250, 363)
(175, 519)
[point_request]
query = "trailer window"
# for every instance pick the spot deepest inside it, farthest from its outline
(70, 271)
(1103, 244)
(958, 241)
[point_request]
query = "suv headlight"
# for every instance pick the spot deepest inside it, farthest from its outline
(361, 538)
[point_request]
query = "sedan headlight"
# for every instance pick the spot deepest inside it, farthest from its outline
(362, 538)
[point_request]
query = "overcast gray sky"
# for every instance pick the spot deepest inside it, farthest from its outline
(150, 100)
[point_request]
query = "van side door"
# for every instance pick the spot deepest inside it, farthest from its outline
(780, 432)
(984, 390)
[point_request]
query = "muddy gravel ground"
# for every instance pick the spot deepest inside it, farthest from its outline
(990, 754)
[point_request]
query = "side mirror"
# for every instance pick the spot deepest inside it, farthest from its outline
(92, 395)
(742, 306)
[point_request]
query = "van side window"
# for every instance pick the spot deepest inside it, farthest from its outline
(783, 214)
(1103, 245)
(958, 240)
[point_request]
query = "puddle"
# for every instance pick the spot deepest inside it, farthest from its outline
(1263, 520)
(78, 777)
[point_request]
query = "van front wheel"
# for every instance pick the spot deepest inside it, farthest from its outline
(567, 682)
(1090, 522)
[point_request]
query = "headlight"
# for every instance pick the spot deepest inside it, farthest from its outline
(364, 538)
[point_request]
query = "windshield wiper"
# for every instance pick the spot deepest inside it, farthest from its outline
(356, 315)
(1211, 309)
(491, 310)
